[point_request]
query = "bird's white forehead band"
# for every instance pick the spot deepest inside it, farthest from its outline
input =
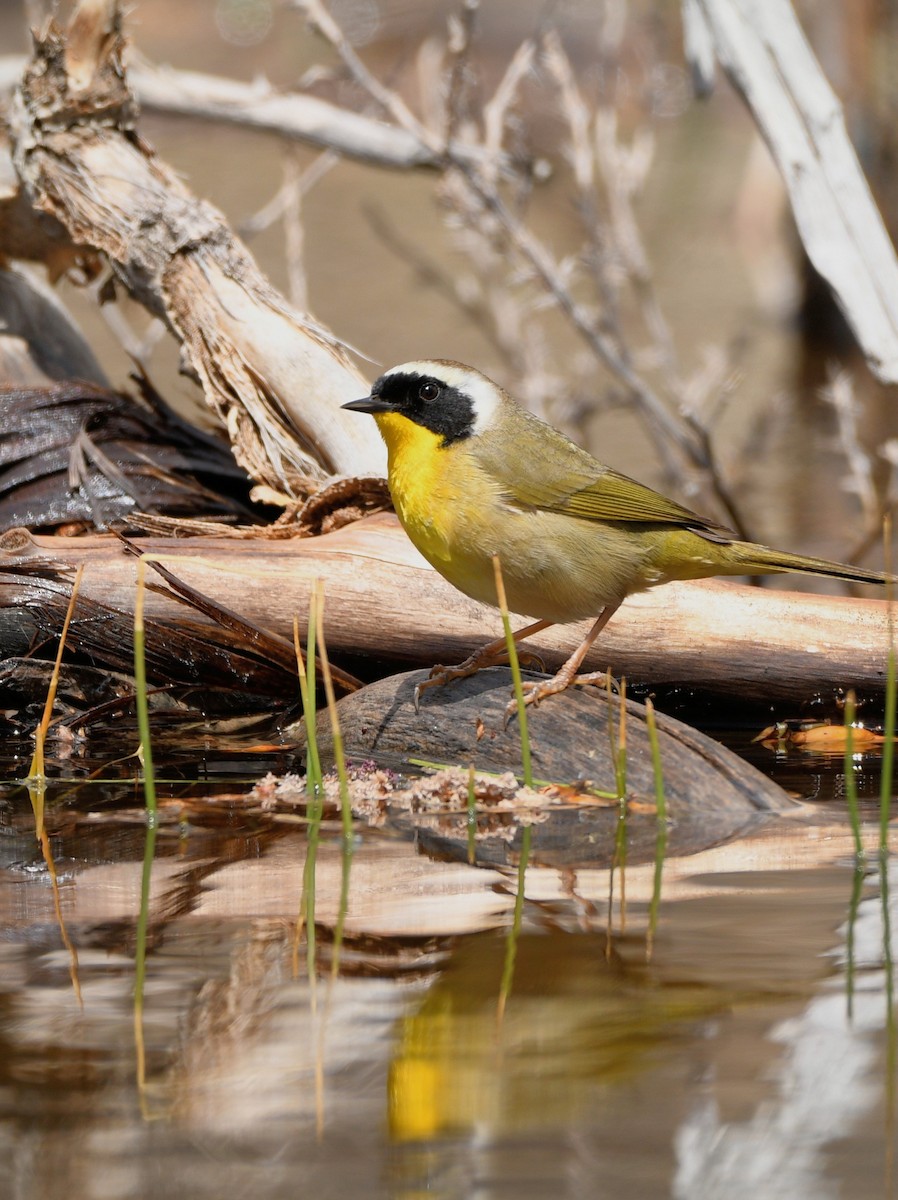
(484, 395)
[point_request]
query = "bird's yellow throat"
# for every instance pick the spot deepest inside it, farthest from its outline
(413, 454)
(416, 464)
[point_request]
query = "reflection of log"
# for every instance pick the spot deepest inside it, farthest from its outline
(383, 600)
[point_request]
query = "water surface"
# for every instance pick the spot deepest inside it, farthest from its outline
(752, 1055)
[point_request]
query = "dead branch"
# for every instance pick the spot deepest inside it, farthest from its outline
(260, 105)
(765, 54)
(273, 376)
(39, 343)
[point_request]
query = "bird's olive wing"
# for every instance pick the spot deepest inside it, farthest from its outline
(548, 471)
(615, 497)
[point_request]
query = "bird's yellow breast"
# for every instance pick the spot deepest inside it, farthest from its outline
(442, 498)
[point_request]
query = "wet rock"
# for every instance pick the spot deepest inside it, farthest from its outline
(711, 794)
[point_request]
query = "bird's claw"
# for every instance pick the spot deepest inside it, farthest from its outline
(439, 676)
(534, 690)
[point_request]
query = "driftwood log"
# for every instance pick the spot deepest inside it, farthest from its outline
(384, 601)
(276, 379)
(273, 375)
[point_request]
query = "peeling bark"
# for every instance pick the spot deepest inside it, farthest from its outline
(273, 376)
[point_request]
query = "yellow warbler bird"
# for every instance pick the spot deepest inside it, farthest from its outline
(473, 475)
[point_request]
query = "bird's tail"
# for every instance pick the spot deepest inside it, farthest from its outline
(761, 560)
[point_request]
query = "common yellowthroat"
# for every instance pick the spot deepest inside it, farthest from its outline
(473, 475)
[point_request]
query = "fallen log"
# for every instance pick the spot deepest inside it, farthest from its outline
(384, 601)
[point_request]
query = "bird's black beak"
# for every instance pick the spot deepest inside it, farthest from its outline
(369, 404)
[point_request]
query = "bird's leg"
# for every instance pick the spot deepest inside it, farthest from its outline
(490, 655)
(534, 691)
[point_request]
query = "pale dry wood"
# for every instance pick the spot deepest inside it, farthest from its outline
(383, 599)
(260, 105)
(763, 50)
(273, 375)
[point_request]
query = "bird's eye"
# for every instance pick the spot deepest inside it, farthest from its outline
(428, 391)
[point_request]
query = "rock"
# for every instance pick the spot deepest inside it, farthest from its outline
(711, 794)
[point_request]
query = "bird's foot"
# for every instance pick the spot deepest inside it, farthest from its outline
(538, 689)
(439, 676)
(486, 656)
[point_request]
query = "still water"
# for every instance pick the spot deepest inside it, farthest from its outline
(751, 1055)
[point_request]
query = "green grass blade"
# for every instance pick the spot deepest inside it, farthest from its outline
(150, 802)
(140, 951)
(660, 828)
(140, 682)
(36, 771)
(472, 817)
(891, 1063)
(305, 921)
(857, 885)
(888, 749)
(515, 666)
(851, 798)
(511, 943)
(514, 934)
(348, 827)
(618, 740)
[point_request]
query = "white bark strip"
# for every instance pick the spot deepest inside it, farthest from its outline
(762, 48)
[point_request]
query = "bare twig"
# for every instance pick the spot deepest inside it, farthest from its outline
(489, 218)
(390, 101)
(286, 206)
(261, 106)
